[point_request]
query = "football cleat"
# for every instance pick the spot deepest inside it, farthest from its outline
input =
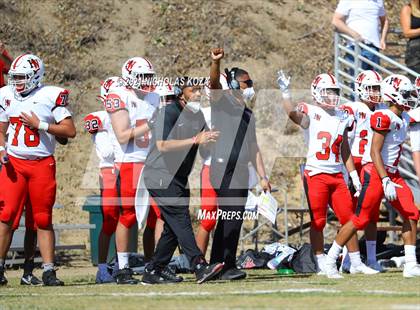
(362, 268)
(411, 270)
(125, 276)
(30, 279)
(331, 269)
(49, 278)
(205, 272)
(3, 279)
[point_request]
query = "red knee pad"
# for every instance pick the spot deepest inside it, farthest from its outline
(318, 224)
(128, 217)
(209, 224)
(43, 220)
(361, 221)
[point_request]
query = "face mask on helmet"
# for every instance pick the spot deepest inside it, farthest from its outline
(372, 94)
(19, 82)
(411, 97)
(330, 97)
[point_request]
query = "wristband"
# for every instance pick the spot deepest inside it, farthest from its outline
(43, 126)
(353, 174)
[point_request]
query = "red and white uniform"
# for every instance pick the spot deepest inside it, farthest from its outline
(49, 104)
(31, 164)
(361, 136)
(140, 111)
(324, 137)
(323, 179)
(99, 126)
(396, 129)
(130, 157)
(415, 129)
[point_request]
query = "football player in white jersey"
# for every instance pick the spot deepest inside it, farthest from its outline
(98, 124)
(326, 128)
(35, 115)
(130, 107)
(383, 179)
(415, 132)
(368, 89)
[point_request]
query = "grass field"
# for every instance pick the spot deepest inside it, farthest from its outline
(261, 290)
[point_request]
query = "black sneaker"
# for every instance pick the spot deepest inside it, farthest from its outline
(30, 279)
(155, 276)
(49, 278)
(170, 275)
(205, 272)
(125, 276)
(3, 280)
(233, 274)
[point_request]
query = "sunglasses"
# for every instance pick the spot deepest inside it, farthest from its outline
(249, 83)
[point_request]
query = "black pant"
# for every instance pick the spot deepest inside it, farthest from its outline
(226, 236)
(173, 203)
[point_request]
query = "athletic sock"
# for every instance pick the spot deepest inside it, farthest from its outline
(123, 259)
(2, 262)
(334, 251)
(410, 254)
(346, 259)
(320, 259)
(355, 258)
(371, 251)
(48, 267)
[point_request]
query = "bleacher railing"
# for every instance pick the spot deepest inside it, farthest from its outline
(346, 72)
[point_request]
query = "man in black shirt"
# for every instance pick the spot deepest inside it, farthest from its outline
(178, 130)
(236, 147)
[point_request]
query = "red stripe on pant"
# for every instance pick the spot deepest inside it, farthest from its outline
(371, 196)
(327, 189)
(208, 200)
(31, 182)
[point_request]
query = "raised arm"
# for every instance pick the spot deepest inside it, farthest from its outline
(296, 116)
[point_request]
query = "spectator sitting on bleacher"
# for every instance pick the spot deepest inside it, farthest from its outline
(366, 22)
(5, 62)
(410, 24)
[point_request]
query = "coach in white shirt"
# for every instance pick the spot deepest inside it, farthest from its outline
(365, 21)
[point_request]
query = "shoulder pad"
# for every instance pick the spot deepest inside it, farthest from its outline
(92, 123)
(380, 121)
(114, 102)
(302, 107)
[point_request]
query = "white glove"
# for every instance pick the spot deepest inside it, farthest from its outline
(284, 82)
(389, 188)
(356, 182)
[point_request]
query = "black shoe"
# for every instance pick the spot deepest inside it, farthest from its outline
(170, 275)
(205, 272)
(50, 278)
(233, 274)
(3, 280)
(125, 276)
(154, 276)
(30, 279)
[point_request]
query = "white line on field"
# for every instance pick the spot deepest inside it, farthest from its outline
(246, 292)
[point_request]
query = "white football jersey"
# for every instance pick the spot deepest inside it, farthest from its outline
(397, 128)
(140, 111)
(48, 103)
(99, 125)
(324, 137)
(361, 136)
(415, 129)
